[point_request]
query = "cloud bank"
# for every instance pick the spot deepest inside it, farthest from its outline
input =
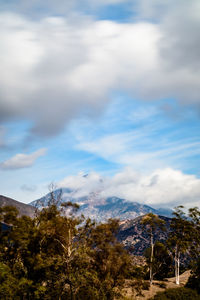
(160, 188)
(56, 68)
(20, 160)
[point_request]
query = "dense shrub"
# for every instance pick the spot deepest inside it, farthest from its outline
(194, 279)
(177, 294)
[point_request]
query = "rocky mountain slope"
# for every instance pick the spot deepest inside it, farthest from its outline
(136, 238)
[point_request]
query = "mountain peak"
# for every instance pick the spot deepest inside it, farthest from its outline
(94, 206)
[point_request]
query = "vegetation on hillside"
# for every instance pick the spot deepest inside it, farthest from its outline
(60, 256)
(177, 294)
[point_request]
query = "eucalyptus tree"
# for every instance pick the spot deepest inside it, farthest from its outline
(151, 223)
(194, 217)
(194, 280)
(180, 237)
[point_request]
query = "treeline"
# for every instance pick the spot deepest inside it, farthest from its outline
(182, 245)
(59, 256)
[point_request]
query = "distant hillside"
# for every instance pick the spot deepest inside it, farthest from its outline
(24, 209)
(100, 209)
(134, 236)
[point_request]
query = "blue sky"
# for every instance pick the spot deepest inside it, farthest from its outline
(110, 89)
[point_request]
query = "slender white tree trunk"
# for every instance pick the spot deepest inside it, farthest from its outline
(175, 260)
(151, 260)
(178, 267)
(69, 244)
(177, 264)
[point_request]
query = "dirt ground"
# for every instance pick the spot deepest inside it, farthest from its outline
(169, 283)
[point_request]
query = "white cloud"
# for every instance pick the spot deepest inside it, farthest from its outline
(143, 148)
(22, 160)
(160, 188)
(53, 69)
(82, 184)
(109, 147)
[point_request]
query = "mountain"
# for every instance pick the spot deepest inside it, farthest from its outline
(131, 233)
(136, 238)
(96, 207)
(24, 209)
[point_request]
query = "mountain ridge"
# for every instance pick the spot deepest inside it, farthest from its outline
(24, 209)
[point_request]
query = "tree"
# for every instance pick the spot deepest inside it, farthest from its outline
(180, 237)
(194, 217)
(109, 259)
(8, 214)
(194, 279)
(152, 222)
(162, 261)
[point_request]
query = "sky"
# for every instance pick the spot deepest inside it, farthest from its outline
(110, 89)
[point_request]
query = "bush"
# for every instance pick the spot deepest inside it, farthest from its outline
(162, 285)
(177, 294)
(194, 279)
(145, 285)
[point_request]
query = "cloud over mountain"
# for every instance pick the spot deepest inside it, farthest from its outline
(159, 188)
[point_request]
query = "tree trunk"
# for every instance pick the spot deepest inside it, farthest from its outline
(69, 244)
(151, 260)
(71, 292)
(178, 267)
(177, 264)
(175, 260)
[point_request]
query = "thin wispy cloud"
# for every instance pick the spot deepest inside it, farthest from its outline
(21, 160)
(150, 143)
(138, 152)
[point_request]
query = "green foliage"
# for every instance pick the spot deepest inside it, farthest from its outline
(194, 279)
(8, 282)
(181, 229)
(194, 215)
(152, 222)
(177, 294)
(8, 214)
(59, 256)
(55, 256)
